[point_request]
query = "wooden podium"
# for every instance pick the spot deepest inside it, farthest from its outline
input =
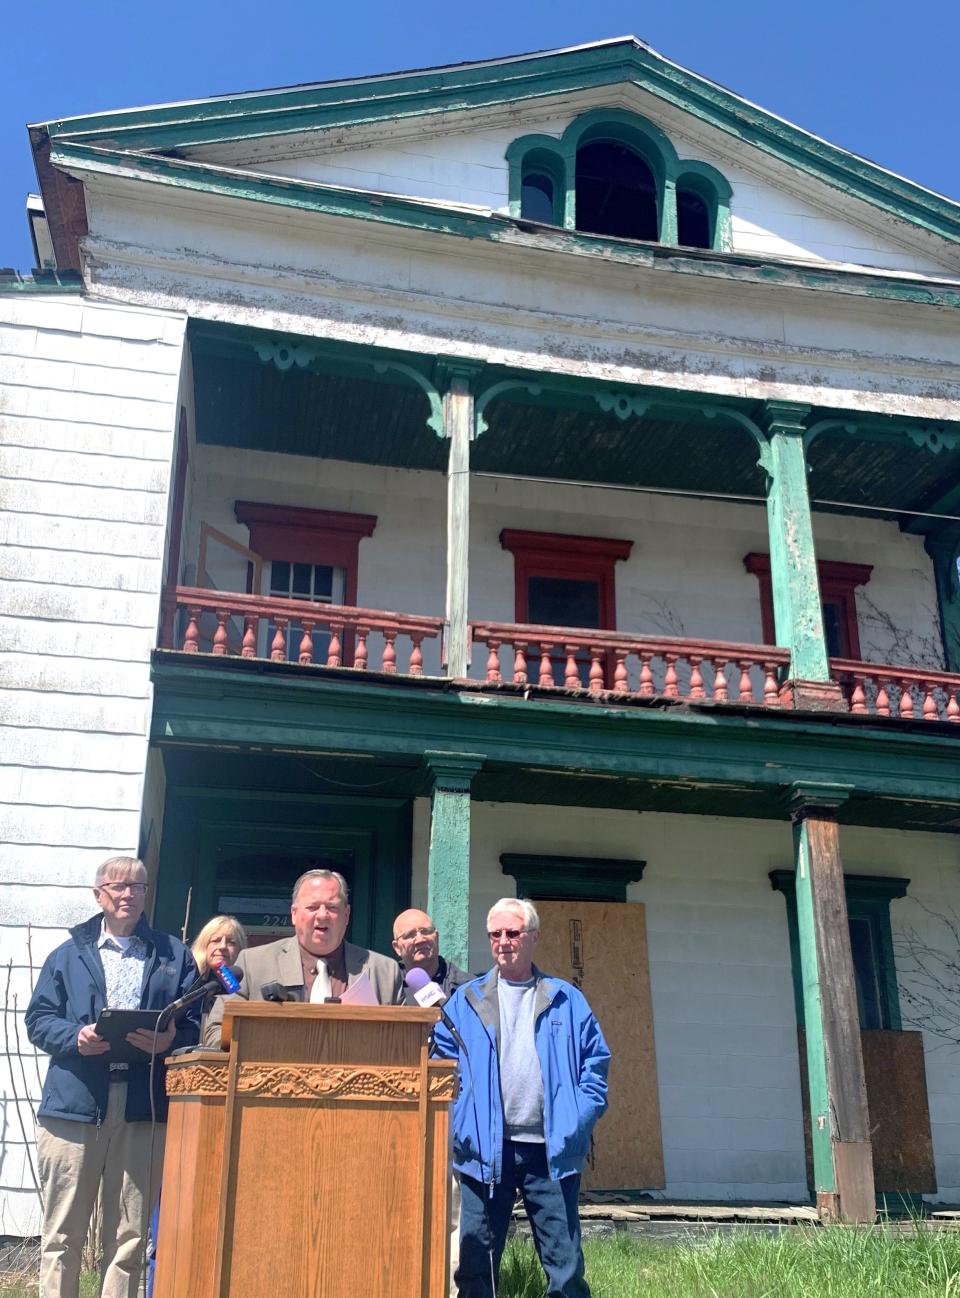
(310, 1160)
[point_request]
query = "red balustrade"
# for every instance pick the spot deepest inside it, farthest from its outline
(223, 624)
(908, 692)
(642, 666)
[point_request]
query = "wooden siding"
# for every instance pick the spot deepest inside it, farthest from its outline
(88, 406)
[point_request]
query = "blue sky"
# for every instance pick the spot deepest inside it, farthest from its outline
(878, 78)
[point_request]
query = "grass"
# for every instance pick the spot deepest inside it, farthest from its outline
(816, 1263)
(871, 1262)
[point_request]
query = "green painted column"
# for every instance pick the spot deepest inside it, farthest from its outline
(448, 861)
(839, 1120)
(943, 547)
(797, 612)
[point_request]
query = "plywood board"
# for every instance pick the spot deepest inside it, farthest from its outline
(601, 947)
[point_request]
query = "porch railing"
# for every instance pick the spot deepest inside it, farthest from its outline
(639, 666)
(223, 623)
(889, 691)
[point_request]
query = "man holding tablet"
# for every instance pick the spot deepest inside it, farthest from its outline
(97, 1122)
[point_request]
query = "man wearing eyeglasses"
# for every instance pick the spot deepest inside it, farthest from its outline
(95, 1125)
(535, 1084)
(417, 944)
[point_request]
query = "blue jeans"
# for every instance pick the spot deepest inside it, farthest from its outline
(551, 1207)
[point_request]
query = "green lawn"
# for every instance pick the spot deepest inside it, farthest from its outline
(815, 1263)
(833, 1263)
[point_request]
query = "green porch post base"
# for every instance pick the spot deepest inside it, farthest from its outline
(448, 862)
(797, 612)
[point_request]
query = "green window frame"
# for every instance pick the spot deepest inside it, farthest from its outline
(868, 910)
(568, 878)
(557, 158)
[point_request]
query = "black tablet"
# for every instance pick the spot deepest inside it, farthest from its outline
(113, 1026)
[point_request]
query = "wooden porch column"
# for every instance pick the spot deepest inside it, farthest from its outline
(448, 862)
(458, 427)
(839, 1121)
(797, 612)
(943, 547)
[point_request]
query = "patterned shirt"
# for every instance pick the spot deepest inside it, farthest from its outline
(124, 961)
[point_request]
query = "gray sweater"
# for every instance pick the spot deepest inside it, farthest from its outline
(521, 1081)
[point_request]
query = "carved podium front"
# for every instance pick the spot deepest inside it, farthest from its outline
(310, 1159)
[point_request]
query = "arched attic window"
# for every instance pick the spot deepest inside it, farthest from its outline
(541, 190)
(703, 207)
(616, 191)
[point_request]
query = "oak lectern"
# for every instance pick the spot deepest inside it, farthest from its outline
(308, 1159)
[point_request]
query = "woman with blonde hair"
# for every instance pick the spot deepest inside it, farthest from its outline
(219, 942)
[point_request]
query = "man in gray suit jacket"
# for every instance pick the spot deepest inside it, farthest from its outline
(315, 962)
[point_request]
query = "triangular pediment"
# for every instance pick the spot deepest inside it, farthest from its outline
(441, 138)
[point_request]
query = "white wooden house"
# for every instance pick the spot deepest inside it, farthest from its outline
(536, 475)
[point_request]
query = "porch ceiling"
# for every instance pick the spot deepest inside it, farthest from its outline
(349, 775)
(341, 409)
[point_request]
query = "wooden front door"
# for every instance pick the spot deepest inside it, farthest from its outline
(601, 947)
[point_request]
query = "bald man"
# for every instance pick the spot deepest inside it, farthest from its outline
(417, 944)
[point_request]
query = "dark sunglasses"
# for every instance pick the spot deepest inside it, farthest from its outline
(511, 933)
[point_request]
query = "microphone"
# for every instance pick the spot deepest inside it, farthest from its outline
(430, 995)
(219, 982)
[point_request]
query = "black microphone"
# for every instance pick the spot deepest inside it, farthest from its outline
(217, 983)
(430, 995)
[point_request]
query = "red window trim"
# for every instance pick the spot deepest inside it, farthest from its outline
(576, 558)
(838, 582)
(319, 536)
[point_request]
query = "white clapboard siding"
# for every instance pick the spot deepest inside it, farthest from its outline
(82, 535)
(89, 402)
(71, 675)
(85, 439)
(41, 786)
(95, 571)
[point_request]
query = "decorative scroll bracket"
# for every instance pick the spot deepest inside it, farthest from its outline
(483, 400)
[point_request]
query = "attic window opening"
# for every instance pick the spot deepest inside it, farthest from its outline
(693, 220)
(538, 198)
(616, 192)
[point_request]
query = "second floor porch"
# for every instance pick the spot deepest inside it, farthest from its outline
(342, 513)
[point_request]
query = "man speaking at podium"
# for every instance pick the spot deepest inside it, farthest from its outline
(315, 962)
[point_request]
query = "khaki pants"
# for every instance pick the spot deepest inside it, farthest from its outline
(74, 1157)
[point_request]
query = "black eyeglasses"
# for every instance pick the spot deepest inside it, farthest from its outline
(510, 933)
(118, 889)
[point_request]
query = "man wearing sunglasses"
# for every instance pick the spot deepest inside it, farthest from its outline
(95, 1127)
(417, 944)
(532, 1087)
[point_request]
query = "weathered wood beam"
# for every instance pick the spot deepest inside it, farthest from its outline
(839, 1120)
(448, 860)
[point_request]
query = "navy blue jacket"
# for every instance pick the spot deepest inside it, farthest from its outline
(71, 992)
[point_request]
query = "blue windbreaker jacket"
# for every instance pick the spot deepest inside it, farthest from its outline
(573, 1061)
(71, 992)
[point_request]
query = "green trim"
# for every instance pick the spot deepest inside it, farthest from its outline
(558, 158)
(515, 81)
(585, 878)
(434, 398)
(415, 214)
(247, 703)
(42, 281)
